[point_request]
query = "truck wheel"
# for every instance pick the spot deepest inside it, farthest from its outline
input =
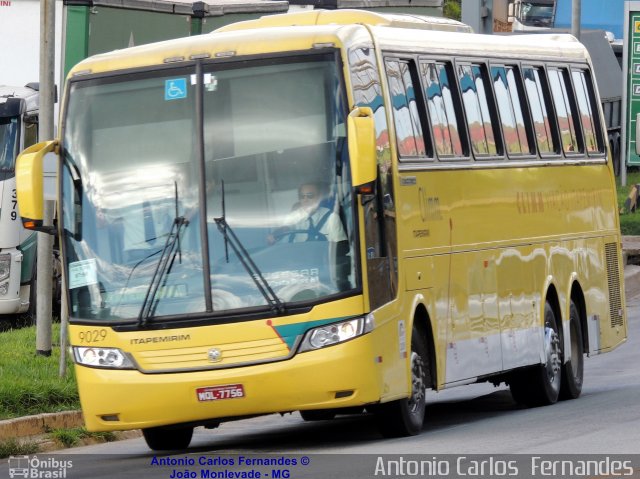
(33, 295)
(167, 438)
(540, 385)
(404, 417)
(573, 369)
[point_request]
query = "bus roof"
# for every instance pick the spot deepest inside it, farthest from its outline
(307, 30)
(349, 17)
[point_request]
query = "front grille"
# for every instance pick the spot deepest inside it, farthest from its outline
(196, 358)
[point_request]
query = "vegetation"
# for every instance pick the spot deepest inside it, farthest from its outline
(73, 437)
(30, 383)
(629, 221)
(452, 9)
(12, 447)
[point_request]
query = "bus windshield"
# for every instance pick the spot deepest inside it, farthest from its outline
(268, 172)
(8, 143)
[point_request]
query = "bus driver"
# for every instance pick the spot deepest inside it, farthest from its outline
(310, 220)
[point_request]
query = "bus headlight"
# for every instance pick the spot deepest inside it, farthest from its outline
(335, 333)
(109, 358)
(5, 266)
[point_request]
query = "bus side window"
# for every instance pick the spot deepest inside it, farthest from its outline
(564, 110)
(508, 98)
(441, 105)
(409, 134)
(537, 92)
(588, 116)
(482, 130)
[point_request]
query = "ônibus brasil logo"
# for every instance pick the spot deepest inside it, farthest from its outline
(36, 468)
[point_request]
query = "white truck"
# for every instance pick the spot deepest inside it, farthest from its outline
(19, 100)
(18, 130)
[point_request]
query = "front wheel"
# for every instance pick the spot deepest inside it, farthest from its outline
(167, 438)
(404, 417)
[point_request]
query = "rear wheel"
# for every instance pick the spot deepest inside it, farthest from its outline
(540, 385)
(404, 417)
(168, 438)
(573, 369)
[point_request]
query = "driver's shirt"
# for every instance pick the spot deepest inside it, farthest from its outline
(331, 229)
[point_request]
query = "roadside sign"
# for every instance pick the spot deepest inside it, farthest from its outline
(631, 85)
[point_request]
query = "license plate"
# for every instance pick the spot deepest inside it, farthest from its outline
(216, 393)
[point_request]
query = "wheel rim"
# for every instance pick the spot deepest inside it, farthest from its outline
(417, 398)
(552, 353)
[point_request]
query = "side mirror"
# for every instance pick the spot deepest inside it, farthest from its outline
(361, 134)
(31, 182)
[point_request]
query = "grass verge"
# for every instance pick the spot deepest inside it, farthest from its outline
(11, 447)
(629, 222)
(30, 383)
(73, 437)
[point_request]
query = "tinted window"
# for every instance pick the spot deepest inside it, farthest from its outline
(510, 108)
(441, 107)
(535, 89)
(560, 94)
(582, 85)
(474, 99)
(409, 135)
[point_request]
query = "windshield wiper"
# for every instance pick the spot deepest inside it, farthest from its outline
(167, 256)
(249, 265)
(163, 268)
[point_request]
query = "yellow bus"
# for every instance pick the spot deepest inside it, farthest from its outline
(330, 212)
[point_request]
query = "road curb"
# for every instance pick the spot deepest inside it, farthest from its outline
(39, 424)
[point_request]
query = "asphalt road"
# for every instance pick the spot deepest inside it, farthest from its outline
(477, 419)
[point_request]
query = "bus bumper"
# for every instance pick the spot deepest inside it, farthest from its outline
(344, 375)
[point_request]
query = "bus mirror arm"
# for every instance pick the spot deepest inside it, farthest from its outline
(362, 148)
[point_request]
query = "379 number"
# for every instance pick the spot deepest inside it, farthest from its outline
(14, 205)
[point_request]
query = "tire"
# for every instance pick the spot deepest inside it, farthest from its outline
(540, 385)
(318, 415)
(404, 417)
(573, 369)
(167, 438)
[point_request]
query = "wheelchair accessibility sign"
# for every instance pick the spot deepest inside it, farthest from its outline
(175, 89)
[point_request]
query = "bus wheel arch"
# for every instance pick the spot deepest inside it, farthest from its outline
(422, 324)
(405, 417)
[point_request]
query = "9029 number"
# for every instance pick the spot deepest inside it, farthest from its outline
(92, 335)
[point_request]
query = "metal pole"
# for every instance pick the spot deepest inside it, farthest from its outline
(575, 18)
(44, 270)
